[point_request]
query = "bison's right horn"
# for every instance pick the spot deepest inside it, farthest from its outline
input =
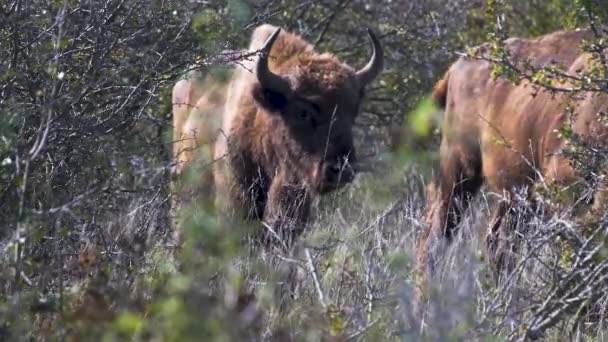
(267, 78)
(374, 66)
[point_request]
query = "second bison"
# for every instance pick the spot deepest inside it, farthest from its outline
(507, 135)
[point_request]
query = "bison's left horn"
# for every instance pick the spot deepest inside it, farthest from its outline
(266, 77)
(374, 66)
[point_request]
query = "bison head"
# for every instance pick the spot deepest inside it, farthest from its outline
(312, 100)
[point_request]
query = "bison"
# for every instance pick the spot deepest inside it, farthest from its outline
(285, 129)
(505, 135)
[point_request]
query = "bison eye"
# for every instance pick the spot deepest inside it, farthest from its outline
(303, 115)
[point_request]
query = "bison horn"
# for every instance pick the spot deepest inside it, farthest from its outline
(267, 78)
(374, 66)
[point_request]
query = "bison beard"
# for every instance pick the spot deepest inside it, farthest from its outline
(505, 136)
(286, 131)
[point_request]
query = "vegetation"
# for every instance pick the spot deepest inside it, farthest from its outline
(85, 161)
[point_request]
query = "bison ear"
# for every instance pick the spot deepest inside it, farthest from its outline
(271, 100)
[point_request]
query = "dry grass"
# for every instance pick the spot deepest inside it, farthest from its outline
(353, 272)
(349, 277)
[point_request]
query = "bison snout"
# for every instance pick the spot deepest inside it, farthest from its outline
(338, 173)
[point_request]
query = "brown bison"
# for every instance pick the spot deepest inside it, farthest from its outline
(285, 130)
(505, 136)
(197, 109)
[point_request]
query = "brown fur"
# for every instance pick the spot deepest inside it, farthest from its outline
(503, 135)
(198, 105)
(197, 109)
(273, 158)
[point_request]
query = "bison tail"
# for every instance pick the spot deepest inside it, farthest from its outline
(440, 92)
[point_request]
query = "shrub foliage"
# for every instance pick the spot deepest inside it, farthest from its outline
(85, 167)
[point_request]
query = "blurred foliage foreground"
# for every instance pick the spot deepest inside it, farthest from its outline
(85, 167)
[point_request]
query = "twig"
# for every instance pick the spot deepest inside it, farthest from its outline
(313, 272)
(362, 330)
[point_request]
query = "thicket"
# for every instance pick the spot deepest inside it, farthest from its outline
(85, 167)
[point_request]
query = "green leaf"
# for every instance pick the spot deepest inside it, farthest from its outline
(336, 323)
(129, 323)
(421, 119)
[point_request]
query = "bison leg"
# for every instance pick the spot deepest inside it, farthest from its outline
(499, 245)
(285, 215)
(286, 211)
(501, 240)
(449, 195)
